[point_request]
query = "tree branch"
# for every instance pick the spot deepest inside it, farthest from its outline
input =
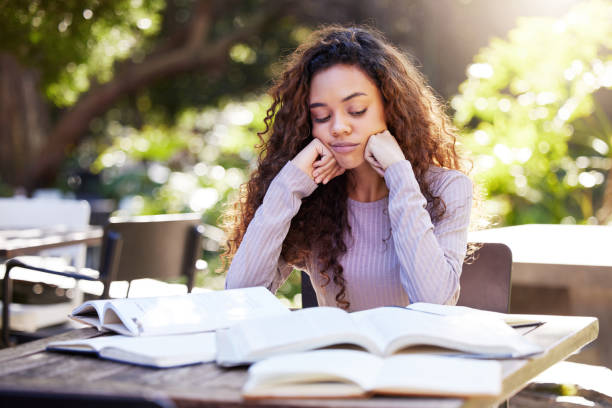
(196, 53)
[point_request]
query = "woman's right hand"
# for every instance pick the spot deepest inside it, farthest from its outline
(318, 162)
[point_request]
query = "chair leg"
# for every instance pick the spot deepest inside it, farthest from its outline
(7, 296)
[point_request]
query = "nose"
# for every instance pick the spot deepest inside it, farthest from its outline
(340, 126)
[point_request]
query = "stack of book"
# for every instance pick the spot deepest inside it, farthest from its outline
(422, 349)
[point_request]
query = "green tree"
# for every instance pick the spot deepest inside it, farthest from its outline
(535, 116)
(90, 56)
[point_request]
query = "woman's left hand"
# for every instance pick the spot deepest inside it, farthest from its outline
(382, 150)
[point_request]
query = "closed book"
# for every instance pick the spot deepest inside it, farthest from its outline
(153, 351)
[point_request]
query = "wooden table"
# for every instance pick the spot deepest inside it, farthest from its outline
(30, 241)
(561, 269)
(29, 368)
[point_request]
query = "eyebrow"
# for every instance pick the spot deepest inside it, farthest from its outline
(353, 95)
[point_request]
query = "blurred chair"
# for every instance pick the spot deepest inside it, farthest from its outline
(158, 246)
(485, 281)
(48, 214)
(44, 300)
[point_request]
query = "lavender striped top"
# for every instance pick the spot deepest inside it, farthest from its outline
(395, 255)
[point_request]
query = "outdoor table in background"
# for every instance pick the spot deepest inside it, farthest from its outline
(32, 240)
(30, 368)
(561, 269)
(43, 319)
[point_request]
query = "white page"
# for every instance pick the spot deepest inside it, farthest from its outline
(312, 327)
(191, 312)
(352, 366)
(94, 344)
(463, 332)
(298, 331)
(163, 351)
(160, 351)
(447, 310)
(434, 375)
(89, 312)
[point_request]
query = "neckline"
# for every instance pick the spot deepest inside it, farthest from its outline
(369, 204)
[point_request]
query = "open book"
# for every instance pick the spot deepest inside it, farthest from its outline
(154, 351)
(382, 331)
(351, 373)
(516, 321)
(195, 312)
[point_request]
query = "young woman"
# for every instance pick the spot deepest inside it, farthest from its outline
(358, 182)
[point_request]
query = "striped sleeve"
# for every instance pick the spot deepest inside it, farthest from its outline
(257, 261)
(431, 256)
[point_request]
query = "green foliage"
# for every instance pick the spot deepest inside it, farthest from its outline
(194, 165)
(532, 117)
(74, 42)
(181, 144)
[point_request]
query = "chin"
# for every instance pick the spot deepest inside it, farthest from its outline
(349, 164)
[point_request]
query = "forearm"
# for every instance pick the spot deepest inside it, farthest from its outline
(431, 257)
(256, 263)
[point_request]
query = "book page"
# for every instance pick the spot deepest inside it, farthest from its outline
(190, 313)
(401, 327)
(300, 330)
(162, 351)
(434, 375)
(157, 351)
(447, 310)
(89, 313)
(92, 345)
(313, 367)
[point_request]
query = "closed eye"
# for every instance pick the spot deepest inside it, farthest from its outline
(322, 120)
(359, 113)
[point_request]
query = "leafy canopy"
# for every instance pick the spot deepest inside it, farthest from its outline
(72, 42)
(532, 116)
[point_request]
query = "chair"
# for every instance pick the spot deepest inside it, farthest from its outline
(485, 282)
(44, 301)
(158, 246)
(44, 213)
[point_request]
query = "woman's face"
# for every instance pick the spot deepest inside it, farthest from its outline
(346, 108)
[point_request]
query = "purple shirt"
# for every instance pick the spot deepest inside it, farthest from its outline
(396, 254)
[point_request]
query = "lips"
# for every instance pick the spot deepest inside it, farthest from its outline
(344, 147)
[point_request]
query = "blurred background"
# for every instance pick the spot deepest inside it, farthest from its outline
(152, 106)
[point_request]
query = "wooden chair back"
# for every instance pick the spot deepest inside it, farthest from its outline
(158, 247)
(485, 282)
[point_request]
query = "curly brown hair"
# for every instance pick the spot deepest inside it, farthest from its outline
(414, 116)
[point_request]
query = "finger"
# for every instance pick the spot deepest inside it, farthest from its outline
(325, 158)
(336, 172)
(372, 160)
(324, 173)
(332, 172)
(378, 168)
(325, 166)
